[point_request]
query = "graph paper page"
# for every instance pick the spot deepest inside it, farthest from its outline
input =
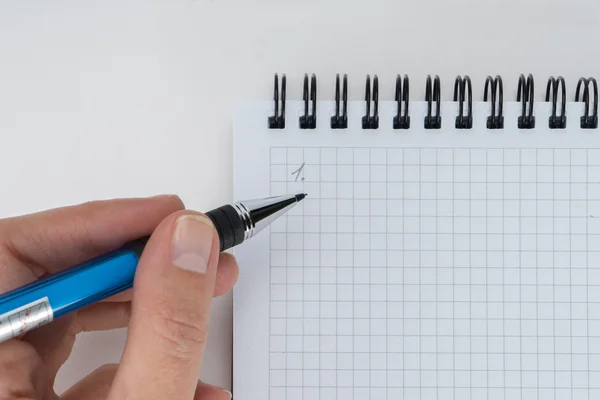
(424, 264)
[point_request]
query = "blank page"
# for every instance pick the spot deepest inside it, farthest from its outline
(424, 264)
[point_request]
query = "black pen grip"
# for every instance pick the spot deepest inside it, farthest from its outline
(229, 226)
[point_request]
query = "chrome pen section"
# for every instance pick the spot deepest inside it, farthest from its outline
(256, 215)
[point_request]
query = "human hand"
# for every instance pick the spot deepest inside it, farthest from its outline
(167, 311)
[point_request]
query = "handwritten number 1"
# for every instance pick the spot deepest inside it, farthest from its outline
(298, 172)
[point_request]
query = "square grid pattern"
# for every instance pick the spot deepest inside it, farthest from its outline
(436, 274)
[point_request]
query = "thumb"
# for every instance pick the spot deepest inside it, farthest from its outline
(170, 312)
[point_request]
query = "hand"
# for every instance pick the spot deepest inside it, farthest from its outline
(167, 310)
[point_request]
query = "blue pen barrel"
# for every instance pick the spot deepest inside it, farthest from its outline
(46, 299)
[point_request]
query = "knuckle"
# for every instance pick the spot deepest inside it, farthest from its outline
(182, 330)
(17, 389)
(19, 355)
(19, 368)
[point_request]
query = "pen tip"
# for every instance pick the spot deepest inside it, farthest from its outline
(301, 196)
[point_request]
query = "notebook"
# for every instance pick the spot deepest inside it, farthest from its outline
(446, 249)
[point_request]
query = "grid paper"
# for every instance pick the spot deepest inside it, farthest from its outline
(413, 273)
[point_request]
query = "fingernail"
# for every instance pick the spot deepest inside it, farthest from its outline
(192, 242)
(228, 393)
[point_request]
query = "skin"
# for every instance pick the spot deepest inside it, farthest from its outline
(167, 310)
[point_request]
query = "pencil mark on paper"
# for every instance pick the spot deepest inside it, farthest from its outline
(298, 172)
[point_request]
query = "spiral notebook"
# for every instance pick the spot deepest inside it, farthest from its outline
(446, 250)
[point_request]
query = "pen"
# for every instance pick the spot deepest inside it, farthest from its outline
(52, 297)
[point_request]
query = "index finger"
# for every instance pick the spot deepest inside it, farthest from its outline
(56, 239)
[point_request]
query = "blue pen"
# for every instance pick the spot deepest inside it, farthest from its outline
(45, 300)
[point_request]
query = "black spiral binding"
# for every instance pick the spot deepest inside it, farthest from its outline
(525, 94)
(555, 122)
(340, 121)
(463, 92)
(587, 121)
(461, 86)
(371, 121)
(402, 97)
(433, 122)
(309, 121)
(494, 121)
(277, 121)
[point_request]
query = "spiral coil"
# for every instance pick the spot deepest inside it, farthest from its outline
(402, 121)
(587, 121)
(493, 93)
(462, 87)
(554, 85)
(309, 121)
(371, 121)
(495, 120)
(340, 121)
(277, 121)
(526, 94)
(431, 95)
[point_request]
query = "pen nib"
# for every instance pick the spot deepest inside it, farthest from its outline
(301, 196)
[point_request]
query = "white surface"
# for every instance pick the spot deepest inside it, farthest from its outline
(424, 264)
(115, 76)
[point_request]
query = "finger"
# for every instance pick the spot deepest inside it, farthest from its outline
(172, 294)
(110, 315)
(56, 239)
(96, 386)
(227, 274)
(22, 374)
(205, 391)
(54, 342)
(102, 317)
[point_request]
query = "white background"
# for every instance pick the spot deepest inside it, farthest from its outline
(163, 77)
